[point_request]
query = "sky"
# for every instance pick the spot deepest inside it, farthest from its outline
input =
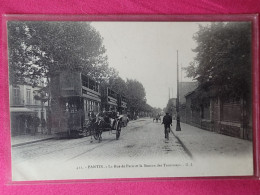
(147, 52)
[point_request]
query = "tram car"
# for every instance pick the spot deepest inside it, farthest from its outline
(73, 97)
(109, 99)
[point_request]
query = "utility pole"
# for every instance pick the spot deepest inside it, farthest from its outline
(178, 125)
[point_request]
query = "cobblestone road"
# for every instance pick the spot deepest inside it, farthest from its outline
(140, 139)
(190, 152)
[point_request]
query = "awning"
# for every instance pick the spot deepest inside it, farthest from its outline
(21, 110)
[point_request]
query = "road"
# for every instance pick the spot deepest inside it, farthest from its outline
(141, 151)
(140, 139)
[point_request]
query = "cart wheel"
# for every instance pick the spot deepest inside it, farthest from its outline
(118, 130)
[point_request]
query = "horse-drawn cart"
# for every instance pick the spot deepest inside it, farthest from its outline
(105, 121)
(157, 118)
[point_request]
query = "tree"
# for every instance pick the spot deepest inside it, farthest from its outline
(118, 84)
(20, 54)
(136, 95)
(38, 49)
(223, 59)
(171, 106)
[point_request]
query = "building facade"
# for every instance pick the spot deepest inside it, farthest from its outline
(23, 107)
(229, 116)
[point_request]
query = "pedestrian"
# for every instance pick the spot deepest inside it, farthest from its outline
(36, 123)
(43, 124)
(29, 123)
(167, 121)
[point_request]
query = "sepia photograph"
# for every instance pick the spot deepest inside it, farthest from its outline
(130, 99)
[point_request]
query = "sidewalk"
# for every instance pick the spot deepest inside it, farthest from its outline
(202, 143)
(20, 140)
(27, 139)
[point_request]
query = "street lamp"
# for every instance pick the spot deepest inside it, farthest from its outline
(178, 125)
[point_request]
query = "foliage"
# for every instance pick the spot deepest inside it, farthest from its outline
(134, 91)
(38, 49)
(118, 84)
(223, 60)
(171, 106)
(20, 54)
(136, 95)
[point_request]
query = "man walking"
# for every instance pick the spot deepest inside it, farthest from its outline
(167, 121)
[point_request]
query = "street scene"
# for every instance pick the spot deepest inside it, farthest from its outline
(130, 99)
(142, 141)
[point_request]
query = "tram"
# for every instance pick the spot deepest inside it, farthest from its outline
(109, 99)
(122, 104)
(74, 98)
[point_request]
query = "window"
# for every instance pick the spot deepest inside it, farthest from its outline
(28, 96)
(88, 106)
(16, 96)
(96, 107)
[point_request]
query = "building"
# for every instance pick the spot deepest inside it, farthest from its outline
(185, 88)
(23, 107)
(226, 115)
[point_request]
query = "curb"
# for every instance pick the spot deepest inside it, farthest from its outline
(182, 144)
(31, 142)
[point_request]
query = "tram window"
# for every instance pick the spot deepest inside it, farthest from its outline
(96, 107)
(91, 106)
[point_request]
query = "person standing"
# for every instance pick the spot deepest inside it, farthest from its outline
(36, 123)
(167, 121)
(43, 125)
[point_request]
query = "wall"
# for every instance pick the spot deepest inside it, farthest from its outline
(229, 117)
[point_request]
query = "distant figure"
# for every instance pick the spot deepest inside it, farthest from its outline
(167, 121)
(36, 123)
(29, 122)
(157, 117)
(43, 124)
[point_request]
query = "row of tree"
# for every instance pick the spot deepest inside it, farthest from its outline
(222, 65)
(38, 49)
(223, 60)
